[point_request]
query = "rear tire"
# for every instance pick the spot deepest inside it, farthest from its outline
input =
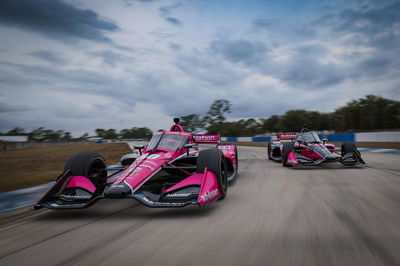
(269, 151)
(287, 148)
(89, 164)
(214, 160)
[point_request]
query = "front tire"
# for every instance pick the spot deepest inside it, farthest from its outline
(269, 151)
(214, 160)
(348, 147)
(89, 164)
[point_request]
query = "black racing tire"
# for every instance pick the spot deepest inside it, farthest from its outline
(287, 148)
(215, 161)
(269, 150)
(89, 164)
(237, 158)
(348, 147)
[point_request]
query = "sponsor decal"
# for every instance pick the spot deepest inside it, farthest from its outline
(179, 195)
(209, 194)
(150, 162)
(286, 136)
(116, 185)
(291, 161)
(168, 155)
(205, 137)
(74, 197)
(154, 156)
(148, 166)
(159, 203)
(224, 147)
(135, 171)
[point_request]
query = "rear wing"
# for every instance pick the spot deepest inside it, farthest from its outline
(286, 136)
(207, 138)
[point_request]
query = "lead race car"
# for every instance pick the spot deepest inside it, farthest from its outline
(170, 172)
(306, 148)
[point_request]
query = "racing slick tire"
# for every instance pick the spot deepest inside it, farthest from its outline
(348, 147)
(214, 160)
(237, 158)
(287, 148)
(269, 151)
(89, 164)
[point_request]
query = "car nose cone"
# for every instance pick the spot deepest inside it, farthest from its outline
(119, 190)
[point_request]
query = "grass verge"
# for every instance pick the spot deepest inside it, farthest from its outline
(34, 166)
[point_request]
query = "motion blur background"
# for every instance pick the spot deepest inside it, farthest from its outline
(70, 67)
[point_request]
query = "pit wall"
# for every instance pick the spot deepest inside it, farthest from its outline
(347, 137)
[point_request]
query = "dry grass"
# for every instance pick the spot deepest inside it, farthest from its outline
(380, 145)
(29, 167)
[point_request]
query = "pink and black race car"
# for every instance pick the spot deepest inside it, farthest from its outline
(306, 148)
(171, 171)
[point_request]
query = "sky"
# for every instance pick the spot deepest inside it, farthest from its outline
(80, 65)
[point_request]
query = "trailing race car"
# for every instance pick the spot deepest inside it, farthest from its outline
(306, 148)
(275, 146)
(170, 172)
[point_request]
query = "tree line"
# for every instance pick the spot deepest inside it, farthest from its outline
(365, 114)
(368, 113)
(42, 134)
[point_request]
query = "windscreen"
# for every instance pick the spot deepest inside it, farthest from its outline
(309, 137)
(167, 141)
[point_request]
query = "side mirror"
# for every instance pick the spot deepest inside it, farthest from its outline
(139, 147)
(128, 159)
(190, 145)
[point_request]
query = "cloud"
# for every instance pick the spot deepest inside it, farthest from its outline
(55, 19)
(262, 64)
(166, 12)
(372, 24)
(111, 58)
(175, 47)
(174, 21)
(49, 56)
(242, 51)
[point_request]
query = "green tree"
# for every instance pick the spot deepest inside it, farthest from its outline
(100, 132)
(217, 111)
(16, 132)
(271, 124)
(136, 133)
(192, 122)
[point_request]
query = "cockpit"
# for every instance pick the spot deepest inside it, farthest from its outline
(308, 137)
(167, 141)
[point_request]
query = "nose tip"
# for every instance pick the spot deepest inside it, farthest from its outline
(120, 190)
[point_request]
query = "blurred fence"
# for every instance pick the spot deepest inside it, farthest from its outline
(347, 137)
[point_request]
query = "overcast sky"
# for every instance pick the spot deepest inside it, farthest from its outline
(79, 65)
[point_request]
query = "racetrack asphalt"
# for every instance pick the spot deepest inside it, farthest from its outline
(326, 215)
